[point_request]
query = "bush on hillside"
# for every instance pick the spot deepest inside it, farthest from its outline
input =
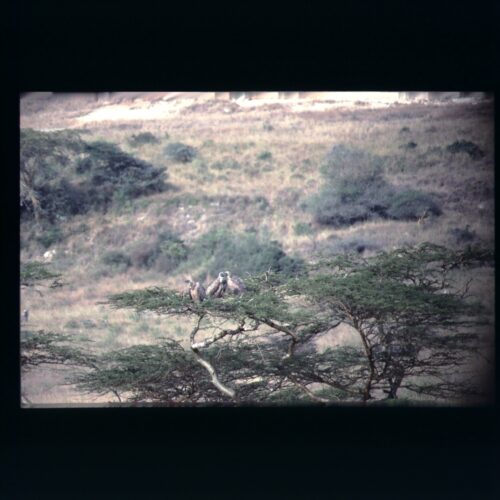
(473, 150)
(355, 191)
(49, 236)
(221, 249)
(342, 161)
(180, 152)
(164, 254)
(138, 140)
(264, 155)
(63, 175)
(115, 258)
(348, 200)
(114, 170)
(412, 205)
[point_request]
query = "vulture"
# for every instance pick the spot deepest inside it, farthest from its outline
(196, 291)
(235, 284)
(25, 315)
(218, 287)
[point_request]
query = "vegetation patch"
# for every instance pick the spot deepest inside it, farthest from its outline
(264, 155)
(226, 163)
(49, 236)
(355, 190)
(142, 138)
(164, 254)
(62, 175)
(221, 249)
(409, 145)
(179, 152)
(412, 205)
(473, 150)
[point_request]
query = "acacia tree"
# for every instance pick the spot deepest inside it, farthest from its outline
(415, 326)
(39, 348)
(415, 331)
(250, 348)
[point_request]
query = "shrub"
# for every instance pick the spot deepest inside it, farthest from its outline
(409, 145)
(463, 235)
(468, 147)
(114, 170)
(348, 200)
(137, 140)
(179, 152)
(172, 251)
(267, 127)
(164, 254)
(144, 254)
(356, 191)
(43, 155)
(243, 252)
(264, 155)
(348, 245)
(301, 229)
(411, 205)
(348, 162)
(103, 169)
(50, 236)
(116, 258)
(62, 198)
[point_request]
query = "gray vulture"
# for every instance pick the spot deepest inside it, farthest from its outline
(218, 287)
(196, 291)
(235, 284)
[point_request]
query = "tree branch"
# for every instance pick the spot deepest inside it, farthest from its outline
(308, 391)
(203, 362)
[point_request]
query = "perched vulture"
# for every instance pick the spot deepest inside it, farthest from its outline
(25, 315)
(235, 284)
(196, 291)
(218, 287)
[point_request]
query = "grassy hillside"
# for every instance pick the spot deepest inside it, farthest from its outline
(252, 185)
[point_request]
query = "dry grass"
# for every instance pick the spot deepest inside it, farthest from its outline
(297, 144)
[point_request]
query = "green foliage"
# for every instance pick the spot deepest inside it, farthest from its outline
(114, 170)
(473, 150)
(348, 200)
(180, 152)
(264, 155)
(35, 272)
(411, 205)
(409, 145)
(137, 140)
(402, 303)
(43, 155)
(116, 259)
(38, 348)
(463, 235)
(394, 300)
(301, 229)
(164, 253)
(345, 162)
(226, 163)
(355, 191)
(49, 236)
(62, 175)
(145, 373)
(243, 252)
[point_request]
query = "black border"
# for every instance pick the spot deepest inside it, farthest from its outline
(197, 46)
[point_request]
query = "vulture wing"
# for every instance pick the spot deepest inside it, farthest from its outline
(213, 287)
